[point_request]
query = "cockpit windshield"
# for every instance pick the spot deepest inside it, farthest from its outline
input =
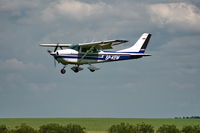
(92, 50)
(83, 49)
(75, 47)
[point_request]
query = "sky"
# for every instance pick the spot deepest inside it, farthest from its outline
(164, 85)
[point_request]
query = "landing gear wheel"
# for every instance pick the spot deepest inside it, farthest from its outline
(63, 71)
(92, 70)
(76, 70)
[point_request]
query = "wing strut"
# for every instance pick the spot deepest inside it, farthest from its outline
(91, 48)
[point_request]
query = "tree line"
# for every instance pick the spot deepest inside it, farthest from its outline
(118, 128)
(147, 128)
(188, 117)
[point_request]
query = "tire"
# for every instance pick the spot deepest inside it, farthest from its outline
(92, 70)
(63, 71)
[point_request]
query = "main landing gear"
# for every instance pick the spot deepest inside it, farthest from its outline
(92, 68)
(76, 69)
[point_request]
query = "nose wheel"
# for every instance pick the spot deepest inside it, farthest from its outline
(63, 71)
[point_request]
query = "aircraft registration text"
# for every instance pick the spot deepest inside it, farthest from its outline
(112, 57)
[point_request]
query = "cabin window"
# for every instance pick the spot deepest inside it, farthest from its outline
(95, 50)
(75, 47)
(84, 50)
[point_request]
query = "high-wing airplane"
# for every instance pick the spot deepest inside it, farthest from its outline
(95, 52)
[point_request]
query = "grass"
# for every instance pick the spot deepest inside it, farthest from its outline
(95, 125)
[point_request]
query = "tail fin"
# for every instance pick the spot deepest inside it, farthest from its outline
(140, 45)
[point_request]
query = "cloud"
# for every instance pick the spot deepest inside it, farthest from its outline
(74, 9)
(20, 75)
(16, 65)
(6, 5)
(12, 64)
(97, 20)
(122, 13)
(181, 15)
(17, 7)
(178, 63)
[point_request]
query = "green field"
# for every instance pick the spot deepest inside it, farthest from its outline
(96, 124)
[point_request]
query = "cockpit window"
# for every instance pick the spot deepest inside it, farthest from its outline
(75, 47)
(84, 50)
(93, 50)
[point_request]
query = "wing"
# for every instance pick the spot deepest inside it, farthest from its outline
(102, 44)
(99, 45)
(56, 45)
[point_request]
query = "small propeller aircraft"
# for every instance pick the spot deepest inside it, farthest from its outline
(94, 52)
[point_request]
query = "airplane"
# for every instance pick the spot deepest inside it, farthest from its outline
(96, 52)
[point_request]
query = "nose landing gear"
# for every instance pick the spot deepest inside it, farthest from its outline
(63, 71)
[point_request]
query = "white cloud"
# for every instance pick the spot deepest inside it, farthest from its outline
(177, 15)
(7, 5)
(118, 13)
(95, 21)
(17, 74)
(15, 7)
(73, 9)
(12, 64)
(15, 64)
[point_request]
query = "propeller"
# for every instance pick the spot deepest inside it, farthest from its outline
(54, 53)
(50, 52)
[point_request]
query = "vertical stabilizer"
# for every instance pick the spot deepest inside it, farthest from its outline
(140, 45)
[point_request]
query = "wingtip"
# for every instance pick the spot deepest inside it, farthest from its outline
(43, 45)
(122, 41)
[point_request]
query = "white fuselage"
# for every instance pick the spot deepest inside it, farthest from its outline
(71, 56)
